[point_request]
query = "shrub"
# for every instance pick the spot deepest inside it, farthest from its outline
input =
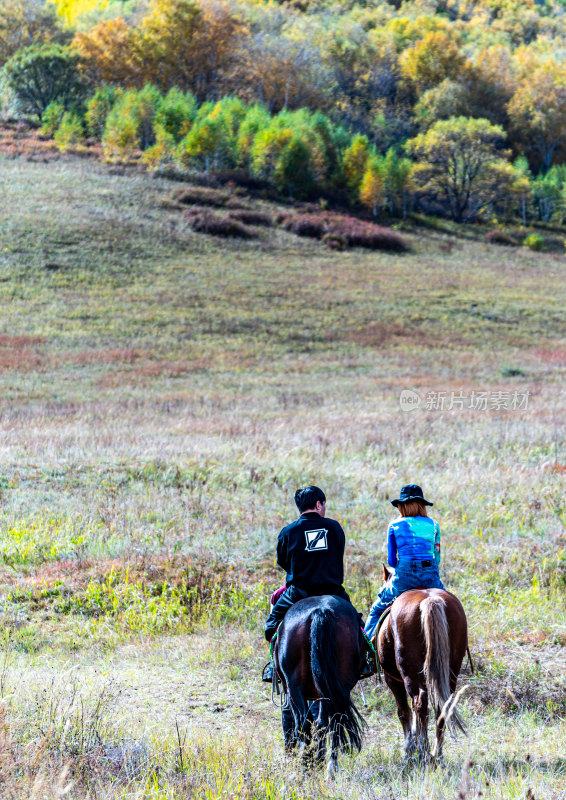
(205, 221)
(373, 237)
(499, 237)
(51, 119)
(40, 74)
(311, 225)
(534, 241)
(251, 217)
(69, 132)
(355, 232)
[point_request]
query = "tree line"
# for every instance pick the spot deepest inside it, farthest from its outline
(451, 107)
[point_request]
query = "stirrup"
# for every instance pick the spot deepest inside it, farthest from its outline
(267, 673)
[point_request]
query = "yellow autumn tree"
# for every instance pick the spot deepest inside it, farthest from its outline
(431, 60)
(72, 10)
(354, 163)
(537, 112)
(372, 194)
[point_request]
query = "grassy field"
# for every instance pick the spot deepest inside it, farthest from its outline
(163, 393)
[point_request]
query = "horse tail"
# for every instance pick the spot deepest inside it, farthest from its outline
(346, 724)
(437, 661)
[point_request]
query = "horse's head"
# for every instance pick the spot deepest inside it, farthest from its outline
(387, 573)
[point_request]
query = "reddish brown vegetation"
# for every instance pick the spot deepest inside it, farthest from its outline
(126, 355)
(21, 140)
(202, 220)
(551, 356)
(251, 217)
(151, 370)
(499, 237)
(20, 341)
(356, 232)
(16, 353)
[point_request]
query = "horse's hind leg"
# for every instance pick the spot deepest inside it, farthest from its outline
(332, 768)
(404, 713)
(302, 719)
(288, 724)
(320, 719)
(420, 707)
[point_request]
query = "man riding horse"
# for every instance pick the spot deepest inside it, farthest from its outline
(311, 551)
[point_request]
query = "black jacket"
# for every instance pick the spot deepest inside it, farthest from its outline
(311, 551)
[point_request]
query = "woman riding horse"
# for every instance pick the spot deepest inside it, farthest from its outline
(413, 548)
(423, 641)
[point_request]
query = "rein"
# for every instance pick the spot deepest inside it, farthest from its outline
(275, 682)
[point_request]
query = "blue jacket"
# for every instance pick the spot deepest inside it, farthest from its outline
(413, 538)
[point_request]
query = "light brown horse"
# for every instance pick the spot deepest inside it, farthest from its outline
(421, 646)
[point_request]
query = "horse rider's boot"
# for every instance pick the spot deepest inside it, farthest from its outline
(267, 673)
(368, 667)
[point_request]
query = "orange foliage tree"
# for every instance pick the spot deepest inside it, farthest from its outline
(184, 43)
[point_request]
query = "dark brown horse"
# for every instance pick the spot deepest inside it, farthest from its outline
(317, 656)
(421, 646)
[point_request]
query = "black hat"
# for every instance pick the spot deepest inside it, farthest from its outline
(411, 492)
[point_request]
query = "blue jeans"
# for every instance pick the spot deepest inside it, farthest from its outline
(408, 575)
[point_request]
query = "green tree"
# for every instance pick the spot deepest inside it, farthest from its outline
(69, 132)
(211, 143)
(396, 173)
(163, 153)
(176, 113)
(51, 119)
(460, 164)
(256, 119)
(293, 174)
(146, 105)
(42, 73)
(99, 107)
(277, 154)
(548, 193)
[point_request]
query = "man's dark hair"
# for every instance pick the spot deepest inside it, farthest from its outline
(308, 497)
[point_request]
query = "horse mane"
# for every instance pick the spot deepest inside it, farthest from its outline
(437, 661)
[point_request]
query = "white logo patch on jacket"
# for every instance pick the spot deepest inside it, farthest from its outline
(316, 540)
